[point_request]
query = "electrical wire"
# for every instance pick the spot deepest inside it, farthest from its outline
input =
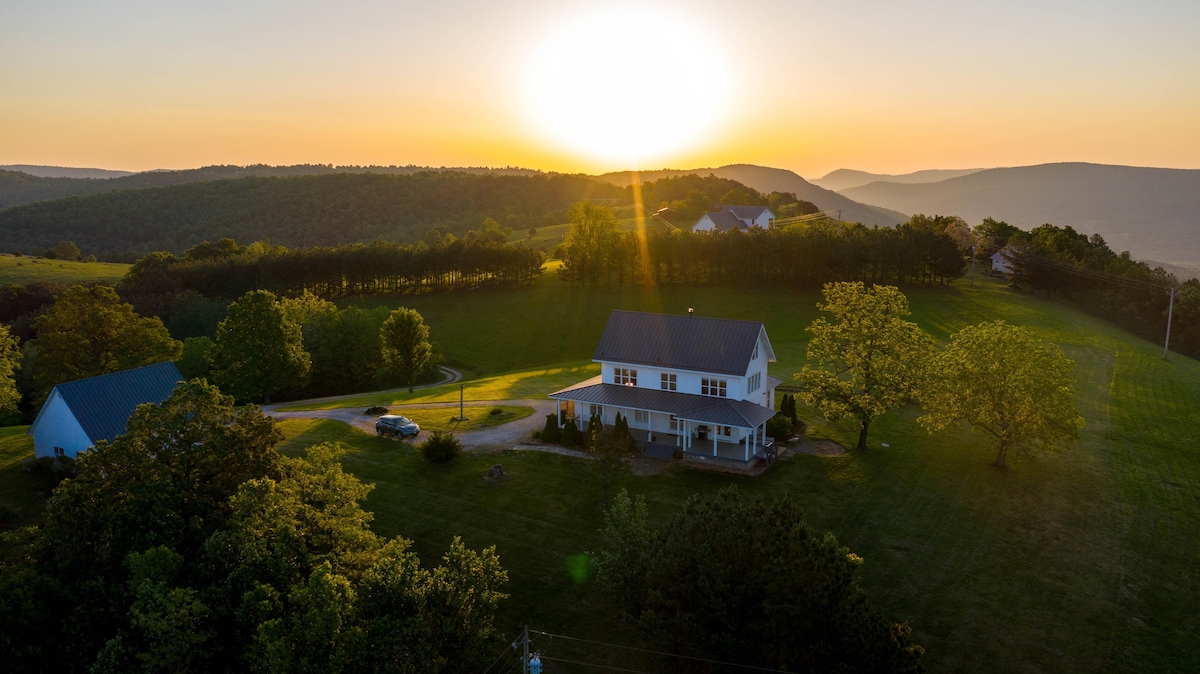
(662, 653)
(508, 650)
(589, 664)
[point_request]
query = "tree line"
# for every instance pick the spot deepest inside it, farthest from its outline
(923, 250)
(1084, 271)
(379, 268)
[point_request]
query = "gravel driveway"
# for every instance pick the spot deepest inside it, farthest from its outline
(506, 435)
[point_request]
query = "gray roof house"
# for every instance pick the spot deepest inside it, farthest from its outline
(735, 217)
(78, 414)
(695, 384)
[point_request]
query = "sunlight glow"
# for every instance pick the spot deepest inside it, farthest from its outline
(627, 84)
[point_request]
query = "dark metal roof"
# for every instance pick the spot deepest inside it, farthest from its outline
(746, 212)
(102, 405)
(716, 345)
(723, 220)
(687, 406)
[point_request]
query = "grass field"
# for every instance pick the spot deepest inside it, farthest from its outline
(1083, 560)
(476, 417)
(22, 270)
(1088, 559)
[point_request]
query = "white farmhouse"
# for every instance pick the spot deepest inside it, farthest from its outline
(1001, 264)
(78, 414)
(734, 217)
(696, 384)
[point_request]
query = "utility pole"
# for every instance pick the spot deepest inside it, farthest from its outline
(460, 402)
(1170, 310)
(525, 656)
(839, 216)
(974, 247)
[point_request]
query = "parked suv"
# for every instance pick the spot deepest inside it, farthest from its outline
(396, 426)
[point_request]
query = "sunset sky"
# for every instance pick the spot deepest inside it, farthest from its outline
(811, 86)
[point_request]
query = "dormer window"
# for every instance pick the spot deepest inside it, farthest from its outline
(624, 376)
(754, 356)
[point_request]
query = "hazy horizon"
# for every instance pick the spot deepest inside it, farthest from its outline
(134, 85)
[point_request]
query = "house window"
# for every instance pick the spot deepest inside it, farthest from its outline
(641, 416)
(60, 452)
(712, 387)
(625, 376)
(754, 382)
(674, 423)
(726, 431)
(596, 411)
(669, 382)
(754, 356)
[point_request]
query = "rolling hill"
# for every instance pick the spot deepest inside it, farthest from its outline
(766, 180)
(843, 179)
(29, 184)
(1151, 212)
(66, 171)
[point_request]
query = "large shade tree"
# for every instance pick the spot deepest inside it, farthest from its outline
(1002, 380)
(89, 331)
(405, 344)
(258, 352)
(589, 243)
(191, 544)
(866, 360)
(747, 581)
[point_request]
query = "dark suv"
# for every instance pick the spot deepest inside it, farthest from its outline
(396, 426)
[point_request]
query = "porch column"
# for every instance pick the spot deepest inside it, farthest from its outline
(714, 442)
(746, 440)
(559, 403)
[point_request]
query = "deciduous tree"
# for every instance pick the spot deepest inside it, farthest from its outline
(746, 581)
(89, 331)
(589, 242)
(1002, 380)
(867, 360)
(10, 359)
(258, 352)
(406, 348)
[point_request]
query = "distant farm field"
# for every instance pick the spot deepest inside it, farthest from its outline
(24, 269)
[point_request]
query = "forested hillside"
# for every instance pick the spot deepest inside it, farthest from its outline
(19, 187)
(297, 211)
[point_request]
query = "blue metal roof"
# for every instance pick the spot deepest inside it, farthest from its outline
(102, 405)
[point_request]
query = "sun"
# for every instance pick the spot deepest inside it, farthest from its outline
(627, 84)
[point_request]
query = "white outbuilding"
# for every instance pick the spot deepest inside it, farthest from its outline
(80, 413)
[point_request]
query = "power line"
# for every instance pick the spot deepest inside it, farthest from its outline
(662, 653)
(512, 647)
(591, 664)
(1091, 273)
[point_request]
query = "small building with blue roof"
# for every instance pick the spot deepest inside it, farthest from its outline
(80, 413)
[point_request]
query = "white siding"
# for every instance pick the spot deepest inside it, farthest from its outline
(56, 426)
(704, 224)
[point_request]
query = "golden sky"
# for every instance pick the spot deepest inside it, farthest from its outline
(879, 86)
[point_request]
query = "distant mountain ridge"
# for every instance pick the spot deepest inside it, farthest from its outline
(66, 171)
(843, 179)
(20, 187)
(766, 180)
(1154, 213)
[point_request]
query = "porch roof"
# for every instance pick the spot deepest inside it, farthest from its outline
(686, 406)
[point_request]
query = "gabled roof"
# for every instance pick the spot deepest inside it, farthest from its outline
(723, 220)
(102, 405)
(686, 406)
(717, 345)
(746, 212)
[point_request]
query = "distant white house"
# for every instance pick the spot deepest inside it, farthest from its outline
(78, 414)
(734, 217)
(1001, 264)
(686, 382)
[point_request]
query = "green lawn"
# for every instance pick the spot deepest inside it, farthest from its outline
(1088, 559)
(1083, 560)
(476, 416)
(22, 270)
(19, 498)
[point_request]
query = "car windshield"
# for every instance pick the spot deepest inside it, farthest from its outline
(401, 421)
